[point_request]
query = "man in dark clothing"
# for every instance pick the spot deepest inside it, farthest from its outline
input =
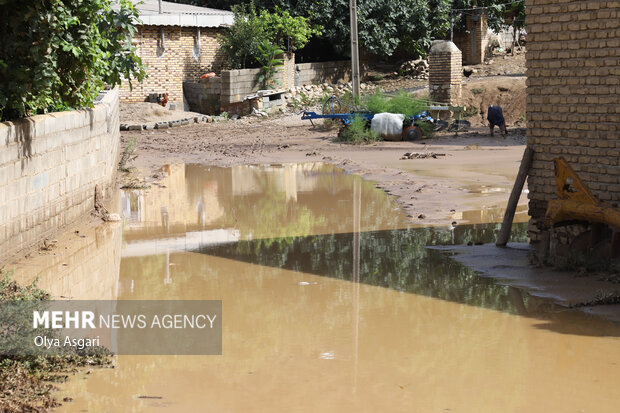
(495, 117)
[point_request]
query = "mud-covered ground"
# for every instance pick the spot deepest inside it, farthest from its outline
(473, 171)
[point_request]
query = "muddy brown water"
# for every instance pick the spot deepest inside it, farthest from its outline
(332, 303)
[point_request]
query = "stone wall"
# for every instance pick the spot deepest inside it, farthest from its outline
(168, 70)
(49, 166)
(573, 97)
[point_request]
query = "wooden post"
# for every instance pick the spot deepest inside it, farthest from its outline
(526, 162)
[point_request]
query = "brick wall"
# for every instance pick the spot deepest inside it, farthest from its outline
(474, 40)
(445, 72)
(49, 166)
(573, 97)
(177, 63)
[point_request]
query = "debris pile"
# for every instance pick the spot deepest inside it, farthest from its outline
(416, 155)
(307, 94)
(414, 69)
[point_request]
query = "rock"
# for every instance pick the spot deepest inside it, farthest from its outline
(112, 218)
(134, 127)
(421, 216)
(234, 117)
(162, 125)
(149, 126)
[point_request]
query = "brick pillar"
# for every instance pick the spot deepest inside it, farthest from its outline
(288, 70)
(477, 26)
(445, 72)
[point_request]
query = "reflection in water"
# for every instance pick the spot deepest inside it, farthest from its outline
(300, 255)
(396, 259)
(88, 269)
(258, 201)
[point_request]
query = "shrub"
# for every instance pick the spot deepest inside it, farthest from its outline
(358, 132)
(402, 103)
(251, 31)
(60, 54)
(269, 63)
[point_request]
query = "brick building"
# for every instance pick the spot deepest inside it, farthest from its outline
(573, 110)
(178, 44)
(474, 39)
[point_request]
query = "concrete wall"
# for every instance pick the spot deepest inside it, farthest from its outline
(168, 71)
(49, 166)
(236, 84)
(573, 97)
(323, 72)
(203, 96)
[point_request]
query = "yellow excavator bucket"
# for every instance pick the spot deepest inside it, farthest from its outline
(576, 202)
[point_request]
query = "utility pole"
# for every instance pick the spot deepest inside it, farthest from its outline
(452, 26)
(355, 57)
(160, 7)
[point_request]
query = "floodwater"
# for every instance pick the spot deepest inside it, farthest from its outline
(332, 303)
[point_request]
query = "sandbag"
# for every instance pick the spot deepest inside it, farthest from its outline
(388, 125)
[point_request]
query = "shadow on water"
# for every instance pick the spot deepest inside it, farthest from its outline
(400, 260)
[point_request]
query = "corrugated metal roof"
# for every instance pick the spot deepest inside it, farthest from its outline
(175, 14)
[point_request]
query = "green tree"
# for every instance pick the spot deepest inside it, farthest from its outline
(241, 40)
(251, 31)
(287, 31)
(384, 26)
(56, 54)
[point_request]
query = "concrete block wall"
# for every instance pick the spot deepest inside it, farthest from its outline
(49, 166)
(204, 96)
(237, 84)
(573, 97)
(322, 72)
(445, 73)
(168, 71)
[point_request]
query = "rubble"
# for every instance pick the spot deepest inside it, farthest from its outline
(415, 69)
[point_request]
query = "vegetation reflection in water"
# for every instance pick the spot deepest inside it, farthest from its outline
(307, 218)
(397, 259)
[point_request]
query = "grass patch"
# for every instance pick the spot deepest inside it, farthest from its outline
(26, 382)
(127, 153)
(358, 132)
(428, 129)
(477, 91)
(469, 112)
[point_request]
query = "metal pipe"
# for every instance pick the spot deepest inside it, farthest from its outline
(160, 7)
